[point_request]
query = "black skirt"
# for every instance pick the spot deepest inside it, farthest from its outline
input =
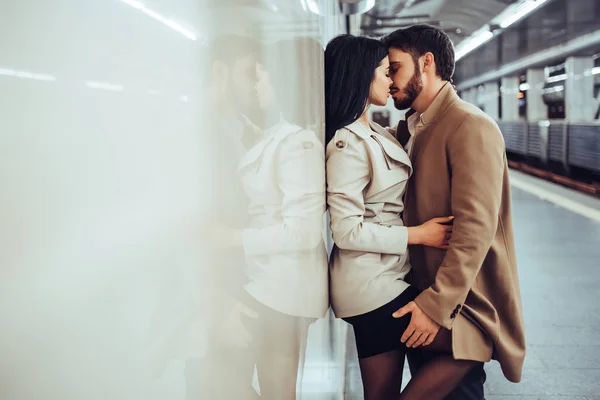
(377, 331)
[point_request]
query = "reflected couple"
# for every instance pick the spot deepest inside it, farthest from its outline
(268, 252)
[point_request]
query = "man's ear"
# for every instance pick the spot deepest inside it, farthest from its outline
(428, 62)
(220, 76)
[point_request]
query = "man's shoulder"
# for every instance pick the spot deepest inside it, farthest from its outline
(469, 115)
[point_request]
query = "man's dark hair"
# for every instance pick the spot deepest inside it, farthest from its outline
(227, 49)
(420, 39)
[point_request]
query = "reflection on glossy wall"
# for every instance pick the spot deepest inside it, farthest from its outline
(162, 201)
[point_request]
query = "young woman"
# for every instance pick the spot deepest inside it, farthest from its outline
(367, 175)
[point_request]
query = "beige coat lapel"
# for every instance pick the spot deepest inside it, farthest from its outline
(391, 164)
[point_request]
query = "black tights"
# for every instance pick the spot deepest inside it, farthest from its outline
(382, 374)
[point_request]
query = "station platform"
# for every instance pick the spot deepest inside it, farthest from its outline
(558, 247)
(557, 234)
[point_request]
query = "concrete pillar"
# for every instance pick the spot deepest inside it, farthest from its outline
(510, 101)
(536, 109)
(470, 95)
(579, 89)
(480, 97)
(490, 99)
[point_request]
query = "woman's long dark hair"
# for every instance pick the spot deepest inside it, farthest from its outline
(350, 64)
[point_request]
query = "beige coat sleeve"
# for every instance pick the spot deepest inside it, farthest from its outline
(476, 153)
(300, 175)
(348, 175)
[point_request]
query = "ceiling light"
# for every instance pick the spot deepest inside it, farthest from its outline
(556, 78)
(356, 7)
(506, 18)
(521, 11)
(313, 6)
(473, 42)
(168, 22)
(26, 75)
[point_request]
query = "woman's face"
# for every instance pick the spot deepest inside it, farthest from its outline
(380, 87)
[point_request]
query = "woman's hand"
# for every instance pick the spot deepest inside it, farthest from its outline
(434, 233)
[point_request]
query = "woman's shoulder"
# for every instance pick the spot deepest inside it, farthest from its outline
(344, 139)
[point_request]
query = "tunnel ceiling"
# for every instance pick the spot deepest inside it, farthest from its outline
(458, 18)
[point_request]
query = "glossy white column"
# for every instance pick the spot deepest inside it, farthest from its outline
(536, 109)
(510, 101)
(579, 89)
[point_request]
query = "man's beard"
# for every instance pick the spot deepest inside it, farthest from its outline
(411, 91)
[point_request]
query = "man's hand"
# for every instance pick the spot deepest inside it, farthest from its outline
(421, 330)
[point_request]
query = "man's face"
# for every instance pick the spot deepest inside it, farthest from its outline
(243, 80)
(406, 75)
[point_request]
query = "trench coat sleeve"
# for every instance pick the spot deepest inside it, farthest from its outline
(300, 174)
(476, 157)
(348, 175)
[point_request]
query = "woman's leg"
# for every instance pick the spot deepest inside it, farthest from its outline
(277, 375)
(279, 358)
(438, 377)
(382, 375)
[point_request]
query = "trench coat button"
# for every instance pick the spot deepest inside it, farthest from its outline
(340, 144)
(308, 145)
(453, 315)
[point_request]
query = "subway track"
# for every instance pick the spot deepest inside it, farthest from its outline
(591, 188)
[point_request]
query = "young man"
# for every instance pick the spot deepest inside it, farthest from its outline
(202, 319)
(460, 169)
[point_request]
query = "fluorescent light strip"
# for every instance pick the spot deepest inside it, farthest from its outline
(26, 75)
(272, 7)
(506, 18)
(313, 6)
(554, 89)
(556, 78)
(168, 22)
(522, 11)
(104, 86)
(470, 44)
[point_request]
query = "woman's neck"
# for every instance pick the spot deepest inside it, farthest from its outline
(364, 119)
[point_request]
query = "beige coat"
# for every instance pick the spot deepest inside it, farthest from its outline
(286, 261)
(460, 169)
(367, 171)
